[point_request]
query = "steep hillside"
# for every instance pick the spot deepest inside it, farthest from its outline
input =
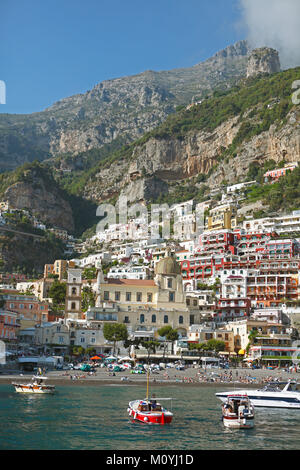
(32, 187)
(115, 111)
(214, 141)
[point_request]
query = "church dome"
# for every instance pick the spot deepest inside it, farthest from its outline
(167, 265)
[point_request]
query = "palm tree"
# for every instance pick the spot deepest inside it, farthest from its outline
(252, 339)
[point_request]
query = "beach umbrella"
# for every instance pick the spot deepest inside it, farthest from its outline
(111, 358)
(96, 358)
(127, 358)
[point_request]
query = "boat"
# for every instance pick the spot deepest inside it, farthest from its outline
(272, 395)
(37, 385)
(149, 411)
(238, 412)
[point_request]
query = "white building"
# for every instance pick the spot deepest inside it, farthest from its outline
(129, 272)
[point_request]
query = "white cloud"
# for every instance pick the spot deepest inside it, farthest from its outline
(274, 23)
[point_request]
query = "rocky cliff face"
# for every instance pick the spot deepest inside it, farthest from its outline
(170, 160)
(263, 60)
(127, 107)
(42, 201)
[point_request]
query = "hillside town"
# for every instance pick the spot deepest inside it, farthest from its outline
(228, 289)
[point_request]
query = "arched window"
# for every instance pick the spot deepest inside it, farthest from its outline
(73, 305)
(73, 290)
(180, 320)
(166, 319)
(142, 318)
(153, 319)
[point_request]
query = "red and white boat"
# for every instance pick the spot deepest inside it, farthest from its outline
(238, 412)
(149, 411)
(37, 385)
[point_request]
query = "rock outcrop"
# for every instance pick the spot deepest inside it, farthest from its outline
(263, 60)
(42, 201)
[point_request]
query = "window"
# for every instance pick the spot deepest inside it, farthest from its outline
(73, 290)
(82, 340)
(138, 296)
(166, 319)
(171, 296)
(142, 318)
(117, 295)
(73, 305)
(149, 297)
(153, 319)
(180, 320)
(128, 296)
(126, 319)
(93, 340)
(195, 303)
(106, 295)
(170, 281)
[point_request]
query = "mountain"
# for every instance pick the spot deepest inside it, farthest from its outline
(213, 141)
(114, 112)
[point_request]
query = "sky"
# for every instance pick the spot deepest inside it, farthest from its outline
(51, 49)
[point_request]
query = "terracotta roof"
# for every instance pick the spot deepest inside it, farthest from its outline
(132, 282)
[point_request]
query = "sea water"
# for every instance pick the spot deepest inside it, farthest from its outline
(95, 417)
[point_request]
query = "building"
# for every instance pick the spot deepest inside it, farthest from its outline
(28, 308)
(222, 217)
(59, 268)
(9, 325)
(243, 327)
(273, 175)
(148, 304)
(201, 334)
(73, 295)
(53, 335)
(129, 272)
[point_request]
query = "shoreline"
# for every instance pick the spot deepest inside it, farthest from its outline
(235, 378)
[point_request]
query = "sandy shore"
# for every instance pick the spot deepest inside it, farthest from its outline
(188, 377)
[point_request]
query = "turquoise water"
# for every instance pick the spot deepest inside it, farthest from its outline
(95, 417)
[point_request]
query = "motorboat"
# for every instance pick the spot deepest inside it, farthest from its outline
(272, 395)
(238, 412)
(149, 411)
(37, 385)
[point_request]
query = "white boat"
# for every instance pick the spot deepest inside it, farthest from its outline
(272, 395)
(37, 385)
(238, 412)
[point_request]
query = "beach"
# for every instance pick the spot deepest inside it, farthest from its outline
(187, 377)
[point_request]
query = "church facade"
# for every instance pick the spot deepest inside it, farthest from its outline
(148, 304)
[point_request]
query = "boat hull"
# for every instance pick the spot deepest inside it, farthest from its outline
(265, 400)
(236, 423)
(33, 389)
(158, 417)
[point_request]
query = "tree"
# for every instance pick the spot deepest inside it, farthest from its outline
(252, 338)
(150, 346)
(115, 332)
(88, 298)
(169, 333)
(215, 345)
(57, 293)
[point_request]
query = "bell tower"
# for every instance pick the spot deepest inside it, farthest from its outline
(73, 295)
